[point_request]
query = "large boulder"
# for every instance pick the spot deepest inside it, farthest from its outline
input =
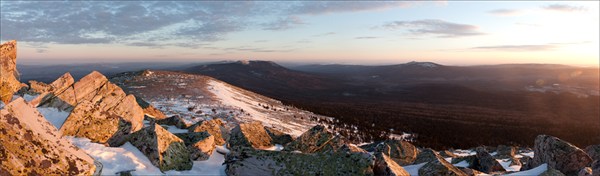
(9, 83)
(440, 166)
(251, 134)
(89, 121)
(485, 162)
(249, 161)
(214, 127)
(199, 144)
(426, 155)
(559, 154)
(165, 150)
(316, 139)
(130, 111)
(30, 145)
(596, 168)
(593, 151)
(57, 87)
(278, 136)
(384, 165)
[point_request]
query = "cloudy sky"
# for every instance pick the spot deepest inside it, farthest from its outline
(454, 33)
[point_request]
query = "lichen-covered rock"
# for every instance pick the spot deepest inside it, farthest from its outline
(596, 168)
(89, 121)
(214, 127)
(57, 87)
(165, 150)
(130, 111)
(593, 151)
(88, 86)
(384, 165)
(260, 162)
(316, 139)
(251, 134)
(199, 144)
(485, 162)
(440, 166)
(30, 145)
(559, 154)
(426, 155)
(278, 136)
(38, 87)
(9, 83)
(175, 120)
(503, 151)
(402, 152)
(150, 110)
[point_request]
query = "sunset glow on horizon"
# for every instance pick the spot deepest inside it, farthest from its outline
(452, 33)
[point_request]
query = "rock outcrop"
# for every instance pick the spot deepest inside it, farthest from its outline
(165, 150)
(402, 152)
(278, 136)
(9, 82)
(316, 139)
(485, 162)
(30, 145)
(440, 166)
(593, 151)
(384, 165)
(89, 121)
(559, 154)
(200, 144)
(214, 127)
(426, 155)
(150, 110)
(251, 134)
(260, 162)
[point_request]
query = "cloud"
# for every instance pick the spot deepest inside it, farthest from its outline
(283, 23)
(324, 34)
(434, 27)
(367, 37)
(320, 7)
(518, 48)
(564, 8)
(505, 12)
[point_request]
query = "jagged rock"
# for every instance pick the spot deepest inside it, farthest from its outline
(9, 83)
(89, 121)
(87, 87)
(149, 109)
(469, 159)
(130, 111)
(559, 154)
(278, 136)
(30, 145)
(586, 171)
(316, 139)
(526, 163)
(551, 172)
(38, 87)
(165, 150)
(485, 162)
(175, 120)
(214, 127)
(503, 151)
(260, 162)
(447, 154)
(402, 152)
(440, 166)
(199, 144)
(426, 155)
(384, 165)
(593, 151)
(515, 162)
(57, 87)
(249, 135)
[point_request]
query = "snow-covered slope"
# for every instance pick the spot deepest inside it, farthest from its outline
(197, 98)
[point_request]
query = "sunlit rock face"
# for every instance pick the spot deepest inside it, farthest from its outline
(31, 145)
(250, 135)
(9, 83)
(165, 150)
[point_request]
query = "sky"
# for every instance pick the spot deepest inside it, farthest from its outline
(350, 32)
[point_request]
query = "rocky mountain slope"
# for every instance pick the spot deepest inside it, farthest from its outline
(159, 122)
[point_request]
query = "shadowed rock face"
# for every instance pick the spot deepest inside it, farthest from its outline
(199, 144)
(485, 162)
(250, 135)
(426, 155)
(559, 155)
(402, 152)
(31, 145)
(278, 136)
(593, 151)
(440, 166)
(259, 162)
(384, 165)
(165, 150)
(9, 83)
